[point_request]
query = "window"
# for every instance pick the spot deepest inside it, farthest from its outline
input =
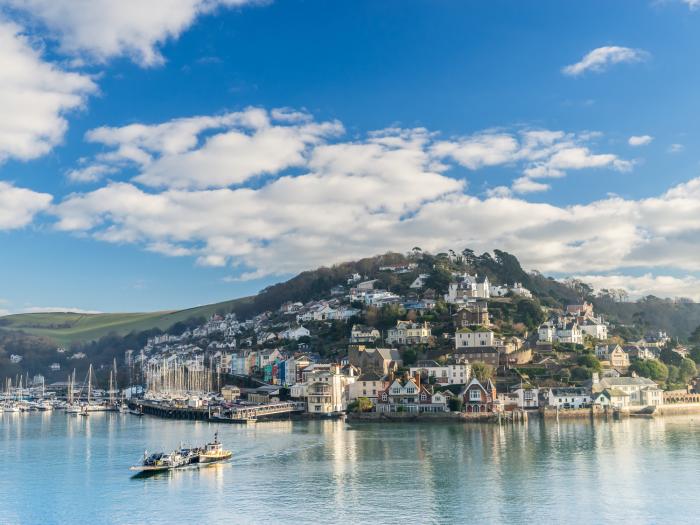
(474, 395)
(384, 396)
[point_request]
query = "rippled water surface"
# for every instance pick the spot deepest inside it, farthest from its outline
(56, 468)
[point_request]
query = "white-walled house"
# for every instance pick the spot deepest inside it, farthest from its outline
(468, 287)
(569, 397)
(528, 397)
(448, 374)
(466, 338)
(294, 334)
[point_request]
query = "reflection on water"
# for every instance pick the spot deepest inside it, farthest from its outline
(633, 470)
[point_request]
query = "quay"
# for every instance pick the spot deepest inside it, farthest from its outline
(219, 414)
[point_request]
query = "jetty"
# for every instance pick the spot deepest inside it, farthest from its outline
(220, 414)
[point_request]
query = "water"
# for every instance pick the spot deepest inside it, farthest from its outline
(64, 469)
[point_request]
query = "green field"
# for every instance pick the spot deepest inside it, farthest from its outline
(67, 327)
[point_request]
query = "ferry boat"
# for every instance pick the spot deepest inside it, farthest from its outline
(214, 452)
(160, 462)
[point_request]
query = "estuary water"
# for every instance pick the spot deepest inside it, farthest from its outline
(56, 468)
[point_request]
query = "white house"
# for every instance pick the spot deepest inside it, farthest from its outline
(294, 334)
(419, 281)
(325, 389)
(641, 390)
(595, 329)
(448, 374)
(468, 287)
(528, 397)
(466, 338)
(569, 397)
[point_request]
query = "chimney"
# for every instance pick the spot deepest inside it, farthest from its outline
(416, 376)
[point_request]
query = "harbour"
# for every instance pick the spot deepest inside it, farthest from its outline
(283, 469)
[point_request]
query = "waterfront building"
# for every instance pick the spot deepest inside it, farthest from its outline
(368, 385)
(569, 397)
(448, 374)
(479, 397)
(642, 391)
(407, 394)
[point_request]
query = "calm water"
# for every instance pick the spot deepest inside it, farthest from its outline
(61, 469)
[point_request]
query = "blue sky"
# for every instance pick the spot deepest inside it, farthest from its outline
(200, 150)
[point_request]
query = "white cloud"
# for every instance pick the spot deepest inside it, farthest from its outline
(18, 206)
(640, 140)
(34, 97)
(675, 148)
(647, 284)
(248, 144)
(388, 190)
(602, 58)
(98, 30)
(90, 173)
(692, 4)
(57, 309)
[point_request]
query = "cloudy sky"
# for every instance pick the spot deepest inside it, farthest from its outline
(163, 154)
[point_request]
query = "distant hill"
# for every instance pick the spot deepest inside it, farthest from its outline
(65, 327)
(501, 267)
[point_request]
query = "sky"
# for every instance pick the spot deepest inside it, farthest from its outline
(165, 154)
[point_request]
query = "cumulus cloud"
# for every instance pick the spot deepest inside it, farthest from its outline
(340, 199)
(647, 284)
(98, 30)
(18, 206)
(640, 140)
(601, 58)
(246, 144)
(35, 96)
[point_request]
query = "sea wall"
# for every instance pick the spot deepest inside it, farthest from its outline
(453, 417)
(678, 408)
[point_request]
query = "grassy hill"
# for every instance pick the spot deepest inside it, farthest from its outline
(66, 327)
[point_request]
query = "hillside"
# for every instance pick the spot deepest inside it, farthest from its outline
(677, 318)
(66, 328)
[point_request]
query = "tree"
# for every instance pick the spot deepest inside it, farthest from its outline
(455, 404)
(688, 369)
(409, 356)
(580, 373)
(651, 368)
(530, 314)
(695, 336)
(590, 361)
(361, 404)
(482, 371)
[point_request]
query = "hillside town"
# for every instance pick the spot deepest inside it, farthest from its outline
(479, 348)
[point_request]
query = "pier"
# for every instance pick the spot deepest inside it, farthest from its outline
(236, 414)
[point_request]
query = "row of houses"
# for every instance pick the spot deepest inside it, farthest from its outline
(467, 288)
